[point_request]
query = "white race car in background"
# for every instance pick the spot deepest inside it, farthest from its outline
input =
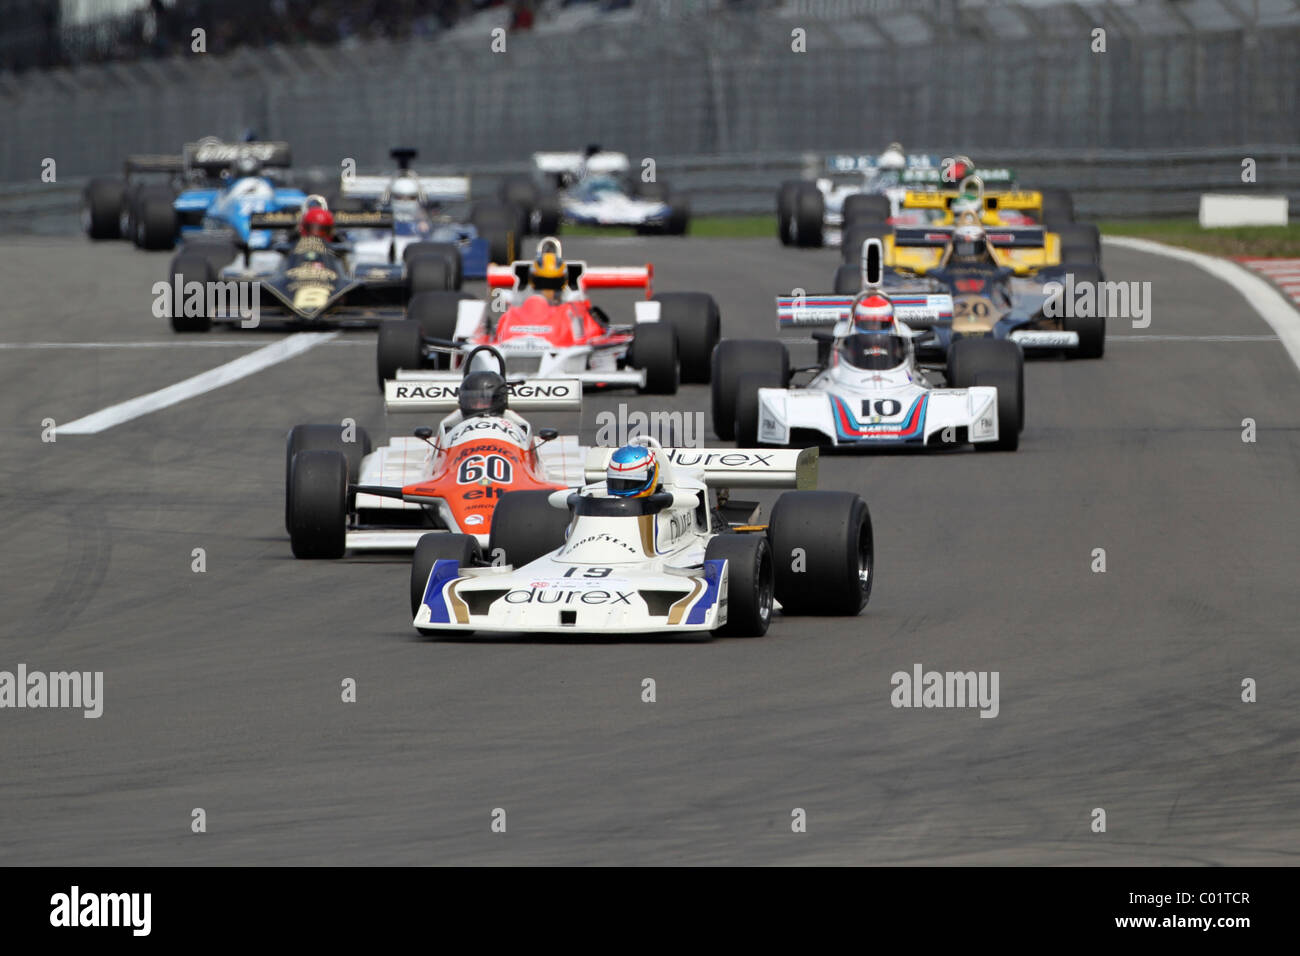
(878, 395)
(672, 563)
(595, 188)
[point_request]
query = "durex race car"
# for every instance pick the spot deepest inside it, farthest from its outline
(432, 214)
(340, 496)
(544, 323)
(868, 387)
(594, 188)
(684, 560)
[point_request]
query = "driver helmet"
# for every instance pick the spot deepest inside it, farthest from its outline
(969, 243)
(404, 188)
(892, 158)
(548, 273)
(633, 472)
(247, 165)
(482, 393)
(873, 341)
(317, 221)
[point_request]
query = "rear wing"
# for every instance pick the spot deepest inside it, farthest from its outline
(814, 311)
(933, 176)
(432, 395)
(212, 155)
(552, 164)
(153, 163)
(730, 467)
(432, 188)
(581, 276)
(288, 219)
(1014, 237)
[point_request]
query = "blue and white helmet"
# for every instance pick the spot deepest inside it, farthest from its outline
(633, 472)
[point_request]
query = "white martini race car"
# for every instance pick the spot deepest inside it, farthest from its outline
(685, 560)
(867, 388)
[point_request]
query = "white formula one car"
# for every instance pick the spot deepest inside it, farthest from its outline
(867, 388)
(595, 188)
(340, 496)
(671, 563)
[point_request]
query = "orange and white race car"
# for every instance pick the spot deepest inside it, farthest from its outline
(341, 496)
(542, 319)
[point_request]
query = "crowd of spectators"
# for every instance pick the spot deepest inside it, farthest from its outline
(37, 39)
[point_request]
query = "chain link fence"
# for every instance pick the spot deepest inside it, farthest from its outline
(679, 80)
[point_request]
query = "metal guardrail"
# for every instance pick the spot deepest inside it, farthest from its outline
(1105, 183)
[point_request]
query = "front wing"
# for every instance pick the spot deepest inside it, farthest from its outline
(937, 416)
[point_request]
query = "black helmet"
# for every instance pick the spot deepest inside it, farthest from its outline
(482, 393)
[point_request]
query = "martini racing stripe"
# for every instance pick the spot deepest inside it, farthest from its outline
(848, 426)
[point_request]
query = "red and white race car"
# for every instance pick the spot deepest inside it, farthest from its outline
(542, 319)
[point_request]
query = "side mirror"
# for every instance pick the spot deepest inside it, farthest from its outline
(424, 432)
(548, 434)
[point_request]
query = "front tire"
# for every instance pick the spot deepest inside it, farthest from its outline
(823, 552)
(440, 546)
(750, 582)
(318, 482)
(525, 527)
(732, 360)
(303, 438)
(191, 267)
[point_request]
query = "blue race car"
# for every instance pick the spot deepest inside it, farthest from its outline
(223, 211)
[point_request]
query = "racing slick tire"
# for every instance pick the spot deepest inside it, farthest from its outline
(322, 438)
(156, 224)
(436, 312)
(545, 220)
(1058, 205)
(101, 212)
(747, 407)
(807, 217)
(428, 274)
(698, 322)
(400, 345)
(1010, 399)
(191, 266)
(979, 361)
(785, 209)
(848, 279)
(317, 503)
(521, 192)
(733, 359)
(1080, 242)
(865, 207)
(750, 582)
(654, 348)
(823, 552)
(525, 526)
(679, 217)
(853, 238)
(496, 223)
(1092, 335)
(447, 250)
(429, 550)
(218, 252)
(656, 191)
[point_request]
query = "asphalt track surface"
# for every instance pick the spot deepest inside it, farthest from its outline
(1119, 690)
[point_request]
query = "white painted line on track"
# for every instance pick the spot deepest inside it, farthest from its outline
(215, 378)
(1191, 338)
(1271, 304)
(185, 343)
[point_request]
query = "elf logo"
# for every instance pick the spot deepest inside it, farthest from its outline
(77, 909)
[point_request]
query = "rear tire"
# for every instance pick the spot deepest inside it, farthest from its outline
(157, 226)
(655, 349)
(191, 267)
(823, 552)
(525, 527)
(1092, 334)
(734, 358)
(864, 207)
(852, 239)
(546, 217)
(698, 323)
(102, 208)
(785, 209)
(520, 192)
(318, 488)
(750, 582)
(848, 279)
(428, 274)
(440, 546)
(400, 345)
(1058, 205)
(807, 220)
(447, 250)
(495, 222)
